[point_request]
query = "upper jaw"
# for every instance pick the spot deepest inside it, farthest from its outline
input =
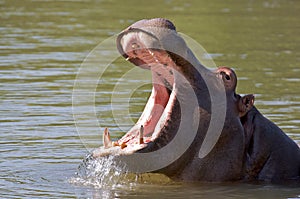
(154, 34)
(150, 32)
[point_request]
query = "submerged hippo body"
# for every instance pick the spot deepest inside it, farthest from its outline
(271, 154)
(249, 147)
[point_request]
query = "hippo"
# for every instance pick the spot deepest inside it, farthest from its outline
(179, 118)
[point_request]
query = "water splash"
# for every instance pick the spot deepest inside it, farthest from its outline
(100, 172)
(107, 173)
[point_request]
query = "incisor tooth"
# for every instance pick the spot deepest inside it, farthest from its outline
(134, 46)
(106, 139)
(141, 135)
(123, 145)
(115, 144)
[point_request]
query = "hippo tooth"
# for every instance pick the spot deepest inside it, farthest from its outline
(134, 46)
(151, 53)
(115, 144)
(123, 145)
(106, 139)
(127, 58)
(141, 135)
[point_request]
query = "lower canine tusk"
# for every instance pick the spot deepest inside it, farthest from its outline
(141, 135)
(106, 139)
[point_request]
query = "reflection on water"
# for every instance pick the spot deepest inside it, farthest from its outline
(43, 43)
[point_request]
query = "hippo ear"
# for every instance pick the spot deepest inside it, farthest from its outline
(245, 104)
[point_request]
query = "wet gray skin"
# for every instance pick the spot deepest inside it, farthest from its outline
(243, 148)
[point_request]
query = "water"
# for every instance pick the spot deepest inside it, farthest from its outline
(42, 46)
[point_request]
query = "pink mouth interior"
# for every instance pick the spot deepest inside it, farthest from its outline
(158, 107)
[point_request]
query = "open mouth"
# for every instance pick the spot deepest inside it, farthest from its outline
(144, 50)
(176, 75)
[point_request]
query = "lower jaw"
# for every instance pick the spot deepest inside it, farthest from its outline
(133, 141)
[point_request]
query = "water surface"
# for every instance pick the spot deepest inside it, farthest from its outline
(42, 46)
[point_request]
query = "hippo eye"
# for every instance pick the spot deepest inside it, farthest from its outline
(227, 77)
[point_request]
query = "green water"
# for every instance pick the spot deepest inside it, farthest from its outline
(42, 46)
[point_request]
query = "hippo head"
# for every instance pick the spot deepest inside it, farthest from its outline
(190, 128)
